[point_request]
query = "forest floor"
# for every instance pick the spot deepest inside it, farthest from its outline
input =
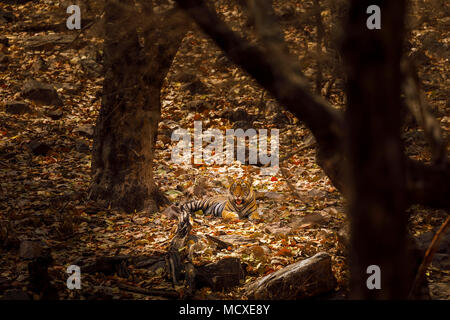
(45, 159)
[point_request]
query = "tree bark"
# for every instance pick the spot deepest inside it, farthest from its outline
(127, 125)
(377, 178)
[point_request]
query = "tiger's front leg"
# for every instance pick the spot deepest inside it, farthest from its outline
(229, 215)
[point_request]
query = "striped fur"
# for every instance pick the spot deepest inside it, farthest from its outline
(239, 204)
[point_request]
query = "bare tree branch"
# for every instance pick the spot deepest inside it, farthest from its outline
(281, 76)
(420, 109)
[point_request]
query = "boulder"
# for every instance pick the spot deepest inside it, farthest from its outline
(41, 92)
(301, 280)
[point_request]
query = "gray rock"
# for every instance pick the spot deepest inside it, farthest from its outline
(41, 92)
(301, 280)
(17, 107)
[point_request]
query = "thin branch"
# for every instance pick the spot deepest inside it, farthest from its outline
(432, 248)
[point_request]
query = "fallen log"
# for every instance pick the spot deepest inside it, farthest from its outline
(301, 280)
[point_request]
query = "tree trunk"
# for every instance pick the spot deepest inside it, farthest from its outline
(377, 184)
(127, 125)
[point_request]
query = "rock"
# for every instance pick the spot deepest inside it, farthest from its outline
(301, 280)
(55, 114)
(17, 107)
(86, 130)
(41, 92)
(30, 249)
(15, 294)
(39, 148)
(223, 274)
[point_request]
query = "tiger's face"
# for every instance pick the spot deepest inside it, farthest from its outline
(239, 192)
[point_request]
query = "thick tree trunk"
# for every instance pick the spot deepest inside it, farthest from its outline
(377, 184)
(128, 121)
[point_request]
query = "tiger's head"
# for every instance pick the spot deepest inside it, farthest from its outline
(240, 192)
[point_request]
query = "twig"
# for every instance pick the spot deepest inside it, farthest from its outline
(432, 248)
(150, 292)
(221, 244)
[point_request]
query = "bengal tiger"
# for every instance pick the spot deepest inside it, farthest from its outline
(240, 203)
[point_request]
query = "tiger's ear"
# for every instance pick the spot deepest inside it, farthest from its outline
(230, 181)
(250, 180)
